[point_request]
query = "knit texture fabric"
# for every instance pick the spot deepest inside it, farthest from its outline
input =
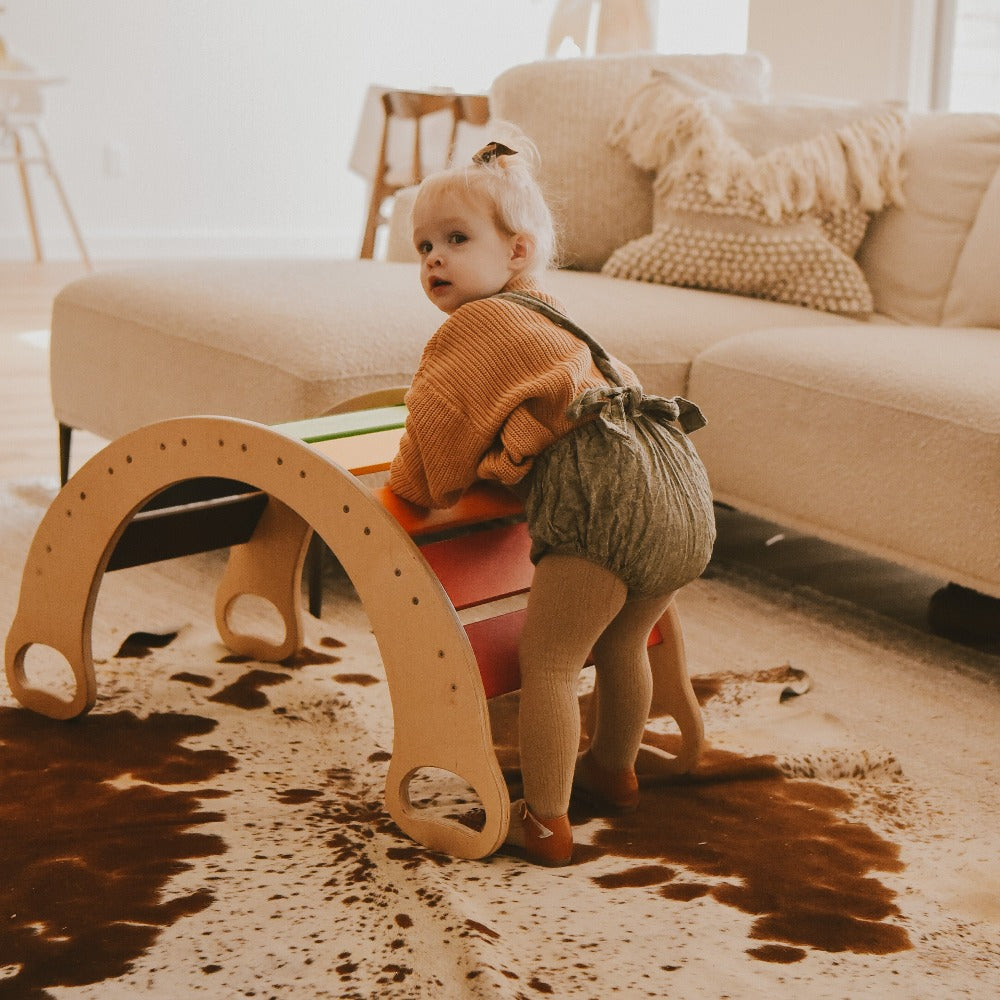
(490, 394)
(572, 602)
(758, 199)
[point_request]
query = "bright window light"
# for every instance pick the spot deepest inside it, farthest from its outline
(706, 26)
(974, 79)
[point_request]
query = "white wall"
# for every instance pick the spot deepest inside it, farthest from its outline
(232, 120)
(853, 49)
(224, 127)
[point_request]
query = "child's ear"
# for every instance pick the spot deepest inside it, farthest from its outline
(522, 252)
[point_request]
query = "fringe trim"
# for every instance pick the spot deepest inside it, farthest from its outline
(676, 135)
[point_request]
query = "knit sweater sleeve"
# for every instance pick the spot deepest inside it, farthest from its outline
(438, 452)
(449, 425)
(490, 394)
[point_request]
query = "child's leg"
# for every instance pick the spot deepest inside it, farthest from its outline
(572, 601)
(624, 683)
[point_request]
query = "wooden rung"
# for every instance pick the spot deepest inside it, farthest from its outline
(345, 424)
(495, 641)
(483, 566)
(170, 532)
(481, 502)
(362, 453)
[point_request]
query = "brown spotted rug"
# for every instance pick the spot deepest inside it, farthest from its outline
(215, 826)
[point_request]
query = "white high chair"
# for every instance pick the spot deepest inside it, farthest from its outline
(23, 143)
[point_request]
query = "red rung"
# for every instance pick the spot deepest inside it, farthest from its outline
(494, 641)
(483, 566)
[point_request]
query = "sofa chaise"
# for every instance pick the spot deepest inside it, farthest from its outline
(875, 423)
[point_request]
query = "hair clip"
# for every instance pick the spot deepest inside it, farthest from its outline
(491, 151)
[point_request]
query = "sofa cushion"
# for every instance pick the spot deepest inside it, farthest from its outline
(762, 199)
(974, 296)
(566, 106)
(910, 254)
(883, 436)
(285, 340)
(659, 330)
(266, 340)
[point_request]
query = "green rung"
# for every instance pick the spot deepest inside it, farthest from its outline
(339, 425)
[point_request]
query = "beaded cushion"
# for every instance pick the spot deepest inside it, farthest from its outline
(764, 200)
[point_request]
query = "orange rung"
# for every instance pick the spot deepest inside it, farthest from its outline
(481, 502)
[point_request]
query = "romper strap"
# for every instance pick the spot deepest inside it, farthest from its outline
(616, 403)
(601, 357)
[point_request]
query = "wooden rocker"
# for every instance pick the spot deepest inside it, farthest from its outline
(439, 672)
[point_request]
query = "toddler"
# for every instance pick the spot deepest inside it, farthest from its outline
(617, 502)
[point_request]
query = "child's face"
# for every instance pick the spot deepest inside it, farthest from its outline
(463, 255)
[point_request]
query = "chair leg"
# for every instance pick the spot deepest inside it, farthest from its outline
(964, 615)
(65, 437)
(63, 200)
(379, 193)
(29, 204)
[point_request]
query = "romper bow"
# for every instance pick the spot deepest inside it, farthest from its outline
(615, 405)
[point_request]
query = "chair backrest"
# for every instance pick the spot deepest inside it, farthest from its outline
(412, 106)
(420, 133)
(468, 133)
(472, 108)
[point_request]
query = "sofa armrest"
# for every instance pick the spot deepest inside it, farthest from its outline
(399, 246)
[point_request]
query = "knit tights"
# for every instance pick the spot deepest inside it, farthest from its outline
(576, 606)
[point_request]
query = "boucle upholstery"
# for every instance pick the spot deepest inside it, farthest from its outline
(266, 340)
(283, 340)
(886, 436)
(974, 296)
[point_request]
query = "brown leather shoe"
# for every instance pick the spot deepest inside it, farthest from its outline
(614, 790)
(546, 842)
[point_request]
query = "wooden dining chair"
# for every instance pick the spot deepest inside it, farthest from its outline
(400, 106)
(23, 144)
(413, 107)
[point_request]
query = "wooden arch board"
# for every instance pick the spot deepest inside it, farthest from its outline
(440, 716)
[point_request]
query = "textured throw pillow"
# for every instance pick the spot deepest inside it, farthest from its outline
(758, 199)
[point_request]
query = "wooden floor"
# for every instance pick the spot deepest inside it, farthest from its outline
(29, 449)
(28, 440)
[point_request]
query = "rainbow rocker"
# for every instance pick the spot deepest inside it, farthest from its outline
(304, 477)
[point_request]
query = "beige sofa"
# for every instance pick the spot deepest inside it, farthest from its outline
(882, 434)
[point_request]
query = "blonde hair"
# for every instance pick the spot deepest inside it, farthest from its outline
(508, 183)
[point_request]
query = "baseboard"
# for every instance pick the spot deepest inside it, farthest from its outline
(153, 245)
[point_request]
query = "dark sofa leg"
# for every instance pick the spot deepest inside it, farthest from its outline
(966, 615)
(65, 435)
(314, 574)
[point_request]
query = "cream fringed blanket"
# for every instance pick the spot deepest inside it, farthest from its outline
(214, 828)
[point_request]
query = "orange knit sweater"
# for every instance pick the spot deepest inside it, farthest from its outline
(490, 394)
